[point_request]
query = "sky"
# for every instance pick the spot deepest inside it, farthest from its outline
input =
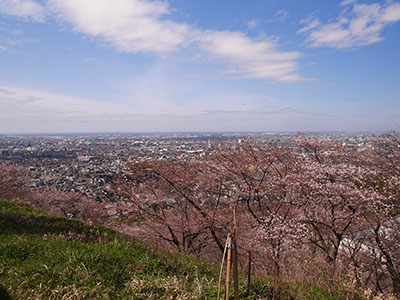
(204, 66)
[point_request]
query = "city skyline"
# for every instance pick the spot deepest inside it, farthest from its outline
(182, 66)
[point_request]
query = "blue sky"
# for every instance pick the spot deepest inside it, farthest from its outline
(186, 65)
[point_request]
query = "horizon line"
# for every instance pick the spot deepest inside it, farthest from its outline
(195, 132)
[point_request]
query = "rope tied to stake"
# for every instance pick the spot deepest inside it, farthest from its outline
(222, 265)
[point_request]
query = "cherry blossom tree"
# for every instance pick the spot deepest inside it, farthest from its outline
(181, 201)
(66, 204)
(354, 196)
(11, 181)
(303, 198)
(256, 175)
(384, 226)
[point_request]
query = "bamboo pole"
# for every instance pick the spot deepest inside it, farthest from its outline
(235, 259)
(228, 267)
(222, 266)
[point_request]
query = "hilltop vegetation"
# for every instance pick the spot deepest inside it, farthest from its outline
(48, 257)
(321, 218)
(310, 210)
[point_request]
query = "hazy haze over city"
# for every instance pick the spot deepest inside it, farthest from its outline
(179, 65)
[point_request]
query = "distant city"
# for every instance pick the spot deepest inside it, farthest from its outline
(88, 163)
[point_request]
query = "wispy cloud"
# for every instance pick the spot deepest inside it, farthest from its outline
(247, 58)
(143, 26)
(310, 23)
(252, 24)
(282, 15)
(24, 9)
(22, 104)
(26, 104)
(25, 111)
(358, 25)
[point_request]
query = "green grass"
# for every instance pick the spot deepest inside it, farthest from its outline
(47, 257)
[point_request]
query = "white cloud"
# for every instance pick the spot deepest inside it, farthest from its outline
(392, 13)
(129, 25)
(311, 24)
(142, 26)
(358, 25)
(3, 48)
(26, 9)
(247, 58)
(347, 2)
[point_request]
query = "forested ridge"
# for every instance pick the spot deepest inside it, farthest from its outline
(312, 212)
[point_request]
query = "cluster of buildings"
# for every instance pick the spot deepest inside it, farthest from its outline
(89, 163)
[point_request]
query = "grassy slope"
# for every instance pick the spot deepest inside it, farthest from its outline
(46, 257)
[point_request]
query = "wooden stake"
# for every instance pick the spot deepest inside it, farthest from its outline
(248, 275)
(232, 262)
(235, 259)
(228, 267)
(222, 267)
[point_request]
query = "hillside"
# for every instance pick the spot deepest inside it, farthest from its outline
(47, 257)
